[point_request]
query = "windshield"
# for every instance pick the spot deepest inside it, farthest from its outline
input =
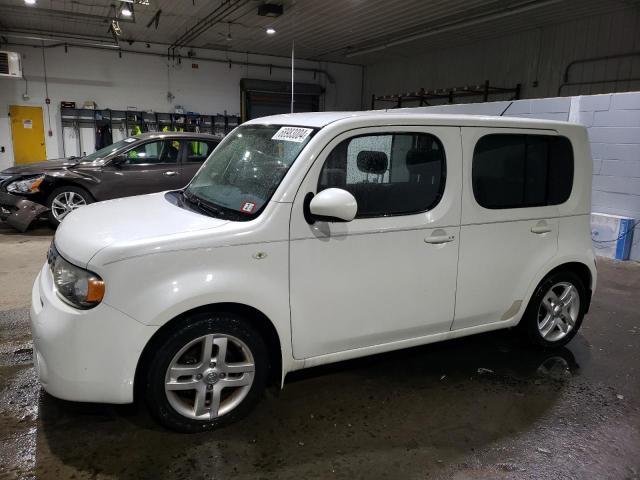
(244, 171)
(103, 153)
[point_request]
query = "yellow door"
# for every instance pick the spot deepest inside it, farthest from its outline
(27, 131)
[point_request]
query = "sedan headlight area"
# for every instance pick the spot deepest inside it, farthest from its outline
(27, 185)
(76, 286)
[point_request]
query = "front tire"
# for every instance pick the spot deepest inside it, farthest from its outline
(207, 373)
(64, 200)
(555, 311)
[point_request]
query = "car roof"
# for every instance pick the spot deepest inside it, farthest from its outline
(322, 119)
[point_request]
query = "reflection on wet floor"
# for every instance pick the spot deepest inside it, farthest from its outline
(487, 406)
(434, 396)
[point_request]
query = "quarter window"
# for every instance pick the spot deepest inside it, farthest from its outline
(518, 171)
(388, 174)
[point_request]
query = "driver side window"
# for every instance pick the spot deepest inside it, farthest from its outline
(161, 151)
(388, 174)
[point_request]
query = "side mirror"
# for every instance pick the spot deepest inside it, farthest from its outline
(118, 160)
(332, 205)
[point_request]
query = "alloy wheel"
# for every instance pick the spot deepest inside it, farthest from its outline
(210, 376)
(66, 202)
(558, 311)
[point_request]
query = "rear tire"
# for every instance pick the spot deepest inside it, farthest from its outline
(64, 200)
(555, 311)
(207, 373)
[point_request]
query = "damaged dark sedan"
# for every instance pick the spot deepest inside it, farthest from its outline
(148, 163)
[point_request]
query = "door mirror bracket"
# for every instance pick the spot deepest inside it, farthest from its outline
(119, 160)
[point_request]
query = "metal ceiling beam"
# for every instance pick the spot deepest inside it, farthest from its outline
(226, 8)
(49, 12)
(48, 36)
(436, 30)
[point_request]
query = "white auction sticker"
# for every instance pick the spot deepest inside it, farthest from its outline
(292, 134)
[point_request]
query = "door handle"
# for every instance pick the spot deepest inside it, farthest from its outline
(439, 239)
(170, 173)
(540, 228)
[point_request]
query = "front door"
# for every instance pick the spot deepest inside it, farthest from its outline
(27, 134)
(148, 168)
(390, 274)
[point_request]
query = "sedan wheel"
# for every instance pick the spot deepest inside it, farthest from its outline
(64, 203)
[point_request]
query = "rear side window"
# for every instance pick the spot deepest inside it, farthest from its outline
(519, 171)
(198, 152)
(388, 174)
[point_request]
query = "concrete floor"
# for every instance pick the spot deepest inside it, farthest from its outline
(427, 412)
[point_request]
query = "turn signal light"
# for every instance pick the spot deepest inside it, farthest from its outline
(95, 290)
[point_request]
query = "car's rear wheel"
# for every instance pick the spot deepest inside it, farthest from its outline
(556, 310)
(64, 200)
(207, 373)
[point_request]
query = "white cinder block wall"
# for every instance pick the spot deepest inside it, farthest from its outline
(143, 81)
(613, 122)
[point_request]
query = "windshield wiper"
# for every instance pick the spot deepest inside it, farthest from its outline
(201, 205)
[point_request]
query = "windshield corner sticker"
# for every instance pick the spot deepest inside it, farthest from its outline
(247, 207)
(292, 134)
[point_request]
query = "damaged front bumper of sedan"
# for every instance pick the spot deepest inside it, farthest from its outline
(18, 211)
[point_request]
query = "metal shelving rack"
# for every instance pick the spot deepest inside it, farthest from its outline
(127, 120)
(423, 96)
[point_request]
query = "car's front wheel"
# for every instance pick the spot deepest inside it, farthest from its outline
(208, 372)
(64, 200)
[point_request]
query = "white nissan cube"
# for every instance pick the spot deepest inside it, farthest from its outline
(312, 238)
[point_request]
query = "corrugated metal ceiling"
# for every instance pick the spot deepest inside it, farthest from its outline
(351, 31)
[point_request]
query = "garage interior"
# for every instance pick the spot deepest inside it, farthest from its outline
(484, 406)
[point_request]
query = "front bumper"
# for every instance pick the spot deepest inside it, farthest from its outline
(84, 355)
(18, 211)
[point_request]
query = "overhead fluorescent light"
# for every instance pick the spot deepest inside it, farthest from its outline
(30, 2)
(270, 31)
(126, 10)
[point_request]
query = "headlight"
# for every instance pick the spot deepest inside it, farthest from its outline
(76, 286)
(29, 185)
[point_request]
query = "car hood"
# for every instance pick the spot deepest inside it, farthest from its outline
(40, 167)
(127, 223)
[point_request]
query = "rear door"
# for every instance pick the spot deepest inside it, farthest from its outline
(149, 167)
(510, 219)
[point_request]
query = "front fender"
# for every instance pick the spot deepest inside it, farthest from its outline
(156, 288)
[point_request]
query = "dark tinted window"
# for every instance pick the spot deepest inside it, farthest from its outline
(388, 174)
(516, 171)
